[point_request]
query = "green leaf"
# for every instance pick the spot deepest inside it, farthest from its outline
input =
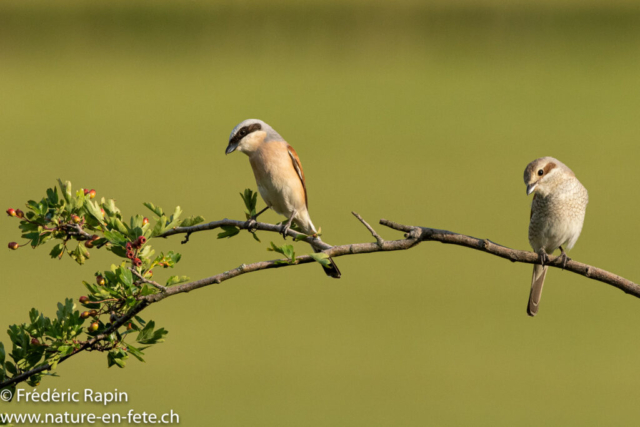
(229, 231)
(175, 218)
(52, 194)
(174, 280)
(65, 350)
(135, 352)
(136, 222)
(94, 209)
(115, 237)
(117, 357)
(300, 237)
(155, 209)
(322, 258)
(286, 250)
(66, 190)
(191, 221)
(126, 276)
(255, 236)
(80, 254)
(117, 224)
(289, 252)
(159, 227)
(110, 207)
(57, 250)
(149, 336)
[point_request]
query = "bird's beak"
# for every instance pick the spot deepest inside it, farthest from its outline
(231, 147)
(531, 188)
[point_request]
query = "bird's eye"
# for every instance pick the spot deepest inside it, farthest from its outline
(243, 132)
(540, 172)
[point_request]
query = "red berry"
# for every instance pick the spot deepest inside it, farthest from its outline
(130, 254)
(103, 212)
(85, 314)
(34, 341)
(142, 240)
(137, 262)
(88, 244)
(92, 194)
(129, 246)
(93, 313)
(19, 213)
(83, 299)
(86, 191)
(94, 327)
(145, 221)
(129, 327)
(11, 212)
(76, 219)
(100, 280)
(13, 246)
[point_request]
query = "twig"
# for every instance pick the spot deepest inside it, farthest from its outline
(150, 282)
(379, 239)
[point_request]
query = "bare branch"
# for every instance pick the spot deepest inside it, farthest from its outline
(243, 225)
(379, 239)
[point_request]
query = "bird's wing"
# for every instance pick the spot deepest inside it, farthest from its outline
(298, 167)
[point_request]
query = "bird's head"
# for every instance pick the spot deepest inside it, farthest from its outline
(248, 135)
(543, 174)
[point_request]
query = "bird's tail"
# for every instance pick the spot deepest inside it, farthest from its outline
(537, 281)
(332, 269)
(304, 221)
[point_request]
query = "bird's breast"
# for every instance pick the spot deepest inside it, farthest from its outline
(277, 180)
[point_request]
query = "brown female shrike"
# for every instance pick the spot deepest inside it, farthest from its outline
(279, 175)
(557, 214)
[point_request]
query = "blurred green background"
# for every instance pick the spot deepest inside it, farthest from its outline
(422, 113)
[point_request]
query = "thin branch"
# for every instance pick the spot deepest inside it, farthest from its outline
(424, 234)
(414, 235)
(243, 225)
(379, 239)
(150, 282)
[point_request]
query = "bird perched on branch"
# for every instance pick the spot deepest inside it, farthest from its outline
(279, 176)
(557, 214)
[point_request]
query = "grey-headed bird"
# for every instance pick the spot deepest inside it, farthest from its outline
(557, 214)
(279, 175)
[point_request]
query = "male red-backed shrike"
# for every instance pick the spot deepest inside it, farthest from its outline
(557, 214)
(278, 173)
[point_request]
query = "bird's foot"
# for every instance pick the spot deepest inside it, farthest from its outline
(284, 229)
(565, 258)
(544, 258)
(251, 224)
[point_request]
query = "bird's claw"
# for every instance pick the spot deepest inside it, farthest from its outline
(565, 259)
(283, 230)
(544, 258)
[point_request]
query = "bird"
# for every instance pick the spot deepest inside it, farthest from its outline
(557, 216)
(279, 176)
